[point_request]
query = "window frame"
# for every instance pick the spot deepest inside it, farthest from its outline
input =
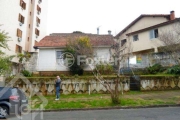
(19, 33)
(22, 4)
(135, 37)
(37, 32)
(153, 34)
(18, 49)
(21, 18)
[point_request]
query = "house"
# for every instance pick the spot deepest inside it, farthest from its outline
(143, 33)
(51, 49)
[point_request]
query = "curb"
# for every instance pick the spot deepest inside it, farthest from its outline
(106, 108)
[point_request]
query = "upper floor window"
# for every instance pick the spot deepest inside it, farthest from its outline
(18, 49)
(38, 21)
(23, 4)
(135, 38)
(37, 32)
(123, 42)
(19, 33)
(21, 19)
(153, 33)
(38, 9)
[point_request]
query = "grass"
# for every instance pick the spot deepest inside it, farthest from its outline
(75, 101)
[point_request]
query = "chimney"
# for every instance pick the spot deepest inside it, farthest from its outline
(98, 30)
(172, 15)
(109, 32)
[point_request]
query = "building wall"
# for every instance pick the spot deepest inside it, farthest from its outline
(9, 19)
(143, 23)
(9, 14)
(47, 59)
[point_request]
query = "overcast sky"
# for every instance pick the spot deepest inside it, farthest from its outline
(66, 16)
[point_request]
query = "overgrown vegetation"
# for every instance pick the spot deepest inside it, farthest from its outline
(174, 70)
(79, 46)
(156, 68)
(5, 61)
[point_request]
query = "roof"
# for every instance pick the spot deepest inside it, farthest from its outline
(155, 26)
(141, 16)
(60, 39)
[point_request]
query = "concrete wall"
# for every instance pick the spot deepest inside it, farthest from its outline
(45, 86)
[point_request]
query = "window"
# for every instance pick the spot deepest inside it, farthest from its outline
(37, 21)
(38, 9)
(37, 32)
(59, 57)
(28, 39)
(29, 25)
(23, 4)
(153, 33)
(18, 49)
(19, 33)
(135, 38)
(21, 19)
(123, 42)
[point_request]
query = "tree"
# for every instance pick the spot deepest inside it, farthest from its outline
(170, 42)
(79, 46)
(5, 61)
(122, 52)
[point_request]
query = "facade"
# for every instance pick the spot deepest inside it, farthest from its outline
(143, 34)
(25, 23)
(51, 48)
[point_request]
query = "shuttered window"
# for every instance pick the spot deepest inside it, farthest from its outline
(21, 19)
(18, 49)
(23, 4)
(38, 9)
(19, 33)
(37, 32)
(38, 20)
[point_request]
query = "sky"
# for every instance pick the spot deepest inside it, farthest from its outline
(66, 16)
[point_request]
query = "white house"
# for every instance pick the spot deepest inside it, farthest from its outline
(51, 50)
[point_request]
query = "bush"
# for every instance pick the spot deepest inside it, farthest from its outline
(26, 73)
(105, 68)
(156, 68)
(174, 70)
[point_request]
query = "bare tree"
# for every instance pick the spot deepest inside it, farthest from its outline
(121, 53)
(170, 42)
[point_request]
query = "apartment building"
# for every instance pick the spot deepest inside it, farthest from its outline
(25, 22)
(142, 35)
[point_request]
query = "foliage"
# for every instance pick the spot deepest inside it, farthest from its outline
(155, 69)
(105, 68)
(26, 73)
(5, 61)
(24, 57)
(78, 46)
(174, 70)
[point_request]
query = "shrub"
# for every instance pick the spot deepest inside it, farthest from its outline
(174, 70)
(155, 69)
(26, 73)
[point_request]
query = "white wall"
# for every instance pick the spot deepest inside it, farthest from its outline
(47, 59)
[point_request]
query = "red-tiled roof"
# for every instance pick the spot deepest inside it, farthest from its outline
(141, 16)
(60, 39)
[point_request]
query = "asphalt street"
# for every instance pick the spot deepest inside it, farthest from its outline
(162, 113)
